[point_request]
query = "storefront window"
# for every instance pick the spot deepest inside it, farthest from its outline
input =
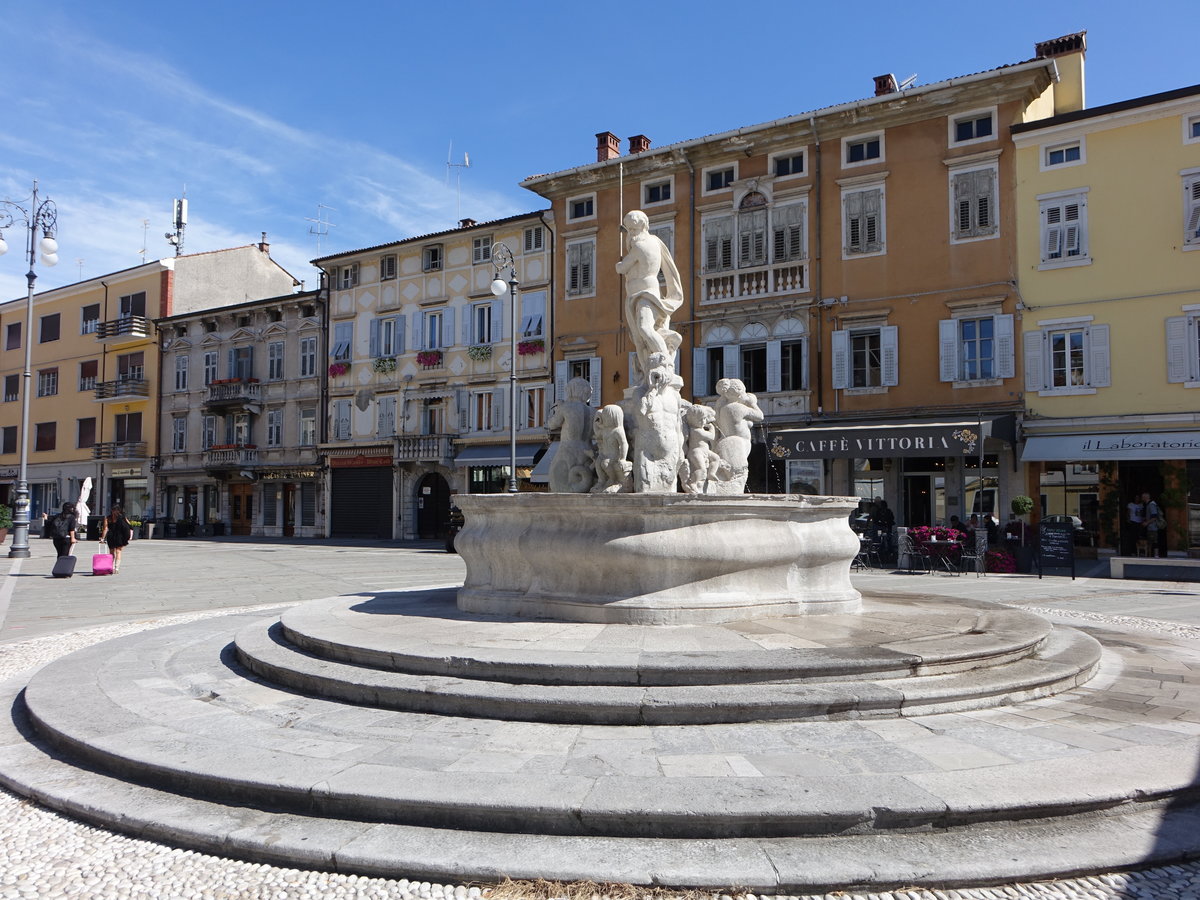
(805, 476)
(488, 479)
(1193, 502)
(867, 475)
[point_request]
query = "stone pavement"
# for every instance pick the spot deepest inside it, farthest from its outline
(47, 855)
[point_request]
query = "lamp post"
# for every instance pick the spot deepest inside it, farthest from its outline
(39, 215)
(502, 259)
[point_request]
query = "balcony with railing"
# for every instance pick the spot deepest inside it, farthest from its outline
(761, 282)
(126, 388)
(119, 450)
(124, 329)
(233, 392)
(230, 456)
(435, 448)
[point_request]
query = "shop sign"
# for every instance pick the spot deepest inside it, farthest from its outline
(937, 439)
(8, 473)
(354, 462)
(289, 474)
(1147, 445)
(130, 472)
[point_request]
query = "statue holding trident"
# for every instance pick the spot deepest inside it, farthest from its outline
(653, 406)
(649, 305)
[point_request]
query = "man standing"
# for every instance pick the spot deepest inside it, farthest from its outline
(1135, 519)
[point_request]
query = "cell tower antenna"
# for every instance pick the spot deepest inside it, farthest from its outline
(907, 82)
(145, 231)
(450, 164)
(320, 226)
(178, 222)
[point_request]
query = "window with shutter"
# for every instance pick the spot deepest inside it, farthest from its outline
(718, 244)
(974, 204)
(787, 233)
(387, 267)
(1191, 211)
(863, 225)
(1064, 230)
(752, 238)
(534, 239)
(580, 267)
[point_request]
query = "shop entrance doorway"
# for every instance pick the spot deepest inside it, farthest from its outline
(433, 507)
(241, 508)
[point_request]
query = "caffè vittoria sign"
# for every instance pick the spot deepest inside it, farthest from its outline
(857, 442)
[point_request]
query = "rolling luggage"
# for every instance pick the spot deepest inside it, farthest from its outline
(64, 567)
(102, 563)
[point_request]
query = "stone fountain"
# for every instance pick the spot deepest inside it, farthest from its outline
(615, 541)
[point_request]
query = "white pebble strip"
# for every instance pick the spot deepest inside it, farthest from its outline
(47, 855)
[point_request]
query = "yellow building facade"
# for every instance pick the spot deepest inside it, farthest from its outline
(95, 374)
(1108, 257)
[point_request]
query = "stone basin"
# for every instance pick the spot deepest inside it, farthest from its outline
(656, 559)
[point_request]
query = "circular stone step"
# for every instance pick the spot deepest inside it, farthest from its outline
(424, 633)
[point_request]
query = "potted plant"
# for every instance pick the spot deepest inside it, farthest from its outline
(338, 368)
(531, 347)
(384, 364)
(480, 352)
(5, 521)
(429, 359)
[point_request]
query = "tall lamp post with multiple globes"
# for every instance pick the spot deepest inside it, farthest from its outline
(40, 216)
(502, 259)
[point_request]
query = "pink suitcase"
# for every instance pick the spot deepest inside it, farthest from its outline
(102, 563)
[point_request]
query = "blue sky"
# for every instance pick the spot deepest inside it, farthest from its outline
(265, 110)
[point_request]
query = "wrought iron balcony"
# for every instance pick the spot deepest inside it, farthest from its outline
(424, 448)
(777, 280)
(230, 456)
(234, 392)
(124, 329)
(123, 389)
(119, 450)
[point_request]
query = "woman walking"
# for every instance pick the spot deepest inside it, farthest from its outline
(116, 532)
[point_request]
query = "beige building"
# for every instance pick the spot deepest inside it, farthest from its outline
(94, 391)
(419, 363)
(240, 418)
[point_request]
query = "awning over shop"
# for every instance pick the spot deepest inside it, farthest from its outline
(496, 455)
(541, 472)
(960, 438)
(1082, 447)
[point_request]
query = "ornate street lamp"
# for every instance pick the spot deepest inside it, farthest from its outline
(502, 259)
(39, 216)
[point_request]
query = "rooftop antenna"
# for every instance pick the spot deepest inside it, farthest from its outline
(178, 222)
(450, 164)
(907, 82)
(320, 226)
(145, 230)
(79, 262)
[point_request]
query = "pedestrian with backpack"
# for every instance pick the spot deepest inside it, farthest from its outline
(1156, 526)
(62, 529)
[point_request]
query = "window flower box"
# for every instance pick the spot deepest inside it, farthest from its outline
(531, 347)
(429, 359)
(384, 364)
(338, 368)
(480, 352)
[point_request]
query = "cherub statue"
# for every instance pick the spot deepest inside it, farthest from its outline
(737, 411)
(702, 463)
(613, 468)
(572, 472)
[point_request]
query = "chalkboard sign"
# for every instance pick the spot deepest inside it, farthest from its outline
(1056, 547)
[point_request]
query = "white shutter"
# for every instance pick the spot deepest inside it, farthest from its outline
(399, 339)
(1097, 338)
(573, 284)
(839, 355)
(497, 321)
(594, 378)
(1006, 365)
(731, 360)
(852, 204)
(448, 327)
(562, 373)
(1035, 378)
(1052, 232)
(948, 367)
(1179, 363)
(462, 402)
(1191, 205)
(700, 372)
(889, 355)
(774, 367)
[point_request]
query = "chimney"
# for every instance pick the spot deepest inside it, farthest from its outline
(263, 245)
(1068, 53)
(608, 146)
(639, 143)
(885, 84)
(467, 223)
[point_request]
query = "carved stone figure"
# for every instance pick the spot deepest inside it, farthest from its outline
(658, 428)
(702, 465)
(737, 412)
(613, 468)
(571, 472)
(649, 305)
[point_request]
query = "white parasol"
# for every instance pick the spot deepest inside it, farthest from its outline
(81, 508)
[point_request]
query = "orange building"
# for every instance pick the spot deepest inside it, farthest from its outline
(854, 266)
